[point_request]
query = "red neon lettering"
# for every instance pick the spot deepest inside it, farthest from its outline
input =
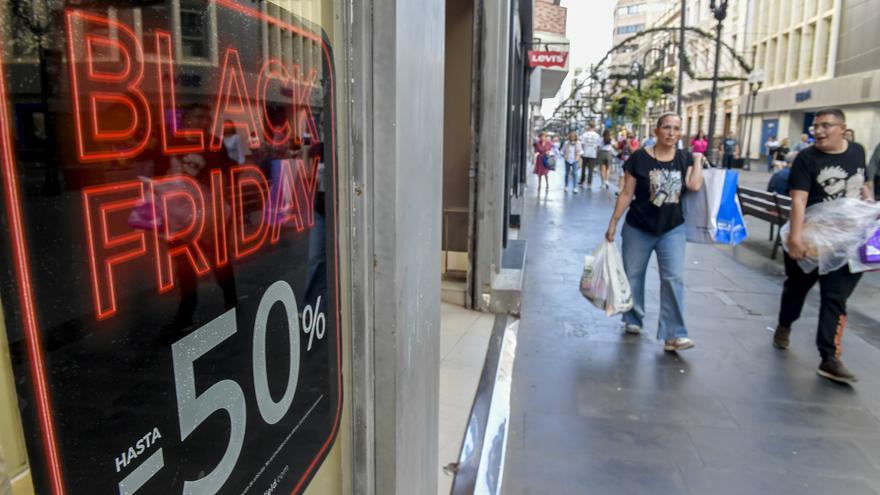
(302, 103)
(91, 41)
(180, 140)
(106, 249)
(286, 204)
(309, 183)
(232, 79)
(97, 141)
(188, 235)
(272, 69)
(219, 217)
(242, 178)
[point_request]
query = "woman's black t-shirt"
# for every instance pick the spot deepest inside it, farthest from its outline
(656, 207)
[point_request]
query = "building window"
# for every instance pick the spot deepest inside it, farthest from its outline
(194, 28)
(632, 28)
(630, 9)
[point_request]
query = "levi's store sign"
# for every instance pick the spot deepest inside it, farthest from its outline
(171, 287)
(547, 59)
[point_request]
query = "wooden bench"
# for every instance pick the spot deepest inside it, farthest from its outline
(770, 207)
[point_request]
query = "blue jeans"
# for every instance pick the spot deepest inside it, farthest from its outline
(637, 249)
(572, 169)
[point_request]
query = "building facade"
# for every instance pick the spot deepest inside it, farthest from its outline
(815, 54)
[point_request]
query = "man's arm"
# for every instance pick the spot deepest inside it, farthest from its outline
(796, 247)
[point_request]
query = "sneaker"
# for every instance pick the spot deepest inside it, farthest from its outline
(834, 370)
(780, 337)
(576, 190)
(679, 344)
(565, 189)
(632, 329)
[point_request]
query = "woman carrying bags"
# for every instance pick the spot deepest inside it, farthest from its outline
(655, 179)
(543, 156)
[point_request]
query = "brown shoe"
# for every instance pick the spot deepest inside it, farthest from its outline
(780, 337)
(833, 369)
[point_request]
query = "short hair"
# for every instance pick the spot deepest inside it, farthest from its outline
(836, 112)
(665, 116)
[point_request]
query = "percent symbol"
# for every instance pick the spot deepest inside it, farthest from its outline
(314, 323)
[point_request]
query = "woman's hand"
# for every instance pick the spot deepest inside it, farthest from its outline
(610, 233)
(796, 248)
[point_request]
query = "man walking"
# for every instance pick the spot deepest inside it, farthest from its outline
(729, 150)
(590, 146)
(771, 146)
(831, 169)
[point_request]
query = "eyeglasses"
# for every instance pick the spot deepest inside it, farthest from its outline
(670, 128)
(824, 126)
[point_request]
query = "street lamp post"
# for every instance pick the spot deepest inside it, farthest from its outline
(720, 11)
(756, 79)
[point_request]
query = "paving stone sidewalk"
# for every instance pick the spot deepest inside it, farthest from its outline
(598, 412)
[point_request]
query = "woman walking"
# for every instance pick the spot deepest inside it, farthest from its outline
(571, 152)
(655, 179)
(606, 154)
(543, 155)
(699, 144)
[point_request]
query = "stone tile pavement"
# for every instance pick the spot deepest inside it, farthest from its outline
(595, 411)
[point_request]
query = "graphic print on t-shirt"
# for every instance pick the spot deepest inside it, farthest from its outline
(837, 183)
(665, 186)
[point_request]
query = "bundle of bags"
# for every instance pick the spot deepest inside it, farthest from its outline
(604, 281)
(840, 232)
(713, 214)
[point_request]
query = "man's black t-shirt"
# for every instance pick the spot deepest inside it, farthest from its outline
(826, 176)
(656, 207)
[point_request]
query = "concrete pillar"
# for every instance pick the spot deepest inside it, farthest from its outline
(396, 69)
(491, 145)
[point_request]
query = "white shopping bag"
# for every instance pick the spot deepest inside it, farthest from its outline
(701, 208)
(604, 281)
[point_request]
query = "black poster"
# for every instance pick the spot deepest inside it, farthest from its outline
(170, 245)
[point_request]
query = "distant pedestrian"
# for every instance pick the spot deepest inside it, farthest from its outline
(771, 146)
(606, 157)
(650, 142)
(630, 146)
(779, 181)
(699, 144)
(571, 152)
(831, 169)
(780, 154)
(849, 135)
(543, 153)
(655, 180)
(729, 150)
(557, 152)
(803, 144)
(590, 142)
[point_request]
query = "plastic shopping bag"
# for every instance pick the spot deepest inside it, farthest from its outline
(701, 207)
(729, 223)
(834, 232)
(604, 281)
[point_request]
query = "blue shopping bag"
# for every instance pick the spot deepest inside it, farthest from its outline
(731, 226)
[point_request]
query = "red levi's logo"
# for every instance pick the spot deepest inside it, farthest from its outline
(547, 59)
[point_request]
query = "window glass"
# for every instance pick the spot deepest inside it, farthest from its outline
(170, 242)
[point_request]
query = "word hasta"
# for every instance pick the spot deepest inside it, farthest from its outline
(138, 449)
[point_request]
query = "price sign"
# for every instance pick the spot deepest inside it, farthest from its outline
(171, 288)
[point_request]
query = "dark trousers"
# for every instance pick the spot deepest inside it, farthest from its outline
(835, 288)
(587, 166)
(189, 287)
(727, 160)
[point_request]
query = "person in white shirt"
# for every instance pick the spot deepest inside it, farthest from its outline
(232, 143)
(590, 144)
(571, 151)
